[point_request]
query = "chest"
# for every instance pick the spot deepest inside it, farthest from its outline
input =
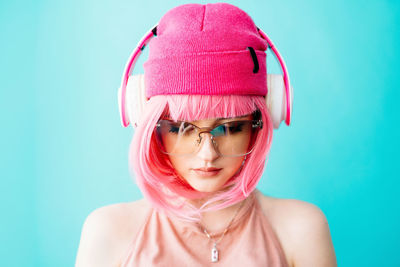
(250, 242)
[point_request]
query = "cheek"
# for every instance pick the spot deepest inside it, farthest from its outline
(235, 163)
(180, 164)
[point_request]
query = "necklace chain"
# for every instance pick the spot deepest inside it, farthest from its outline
(214, 250)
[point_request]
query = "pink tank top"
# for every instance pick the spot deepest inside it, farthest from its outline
(250, 241)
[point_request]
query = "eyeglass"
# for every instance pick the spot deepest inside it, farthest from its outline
(232, 138)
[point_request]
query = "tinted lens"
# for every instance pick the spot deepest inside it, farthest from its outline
(234, 138)
(230, 139)
(176, 137)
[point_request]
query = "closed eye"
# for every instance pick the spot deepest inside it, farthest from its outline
(236, 127)
(173, 129)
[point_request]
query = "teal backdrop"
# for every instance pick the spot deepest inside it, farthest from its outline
(65, 153)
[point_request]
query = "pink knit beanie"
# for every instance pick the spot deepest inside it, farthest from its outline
(212, 49)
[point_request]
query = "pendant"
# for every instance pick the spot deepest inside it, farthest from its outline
(214, 253)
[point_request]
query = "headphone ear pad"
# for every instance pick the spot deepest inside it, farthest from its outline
(276, 98)
(135, 98)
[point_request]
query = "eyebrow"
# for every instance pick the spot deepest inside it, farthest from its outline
(217, 119)
(238, 117)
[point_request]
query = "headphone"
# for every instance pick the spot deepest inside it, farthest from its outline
(132, 98)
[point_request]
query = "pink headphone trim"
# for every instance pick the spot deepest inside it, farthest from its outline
(285, 75)
(128, 68)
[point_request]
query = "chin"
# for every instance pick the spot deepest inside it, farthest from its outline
(205, 190)
(205, 185)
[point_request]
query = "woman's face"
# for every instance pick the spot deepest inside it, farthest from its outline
(206, 170)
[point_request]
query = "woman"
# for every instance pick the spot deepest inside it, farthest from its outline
(203, 135)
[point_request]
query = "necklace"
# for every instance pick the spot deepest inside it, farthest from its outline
(214, 250)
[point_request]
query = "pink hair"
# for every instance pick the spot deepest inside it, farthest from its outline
(156, 177)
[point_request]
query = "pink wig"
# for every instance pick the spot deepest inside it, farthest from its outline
(154, 173)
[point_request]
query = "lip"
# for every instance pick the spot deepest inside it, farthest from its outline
(207, 172)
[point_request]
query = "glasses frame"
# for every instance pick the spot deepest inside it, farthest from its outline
(256, 124)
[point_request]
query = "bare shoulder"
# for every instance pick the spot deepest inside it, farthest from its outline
(107, 232)
(302, 229)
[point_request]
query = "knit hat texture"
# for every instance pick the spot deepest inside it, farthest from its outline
(203, 49)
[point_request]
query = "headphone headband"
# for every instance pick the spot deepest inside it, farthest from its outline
(153, 32)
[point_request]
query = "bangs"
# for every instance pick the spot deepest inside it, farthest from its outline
(199, 107)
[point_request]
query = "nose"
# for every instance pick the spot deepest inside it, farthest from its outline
(207, 150)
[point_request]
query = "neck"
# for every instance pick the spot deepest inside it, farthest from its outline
(216, 221)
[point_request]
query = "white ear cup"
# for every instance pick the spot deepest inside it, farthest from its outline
(276, 98)
(135, 98)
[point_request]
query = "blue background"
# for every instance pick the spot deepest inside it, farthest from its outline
(64, 152)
